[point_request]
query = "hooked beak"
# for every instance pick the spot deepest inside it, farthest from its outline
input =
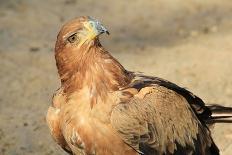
(95, 28)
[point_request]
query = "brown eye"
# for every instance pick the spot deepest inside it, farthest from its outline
(72, 38)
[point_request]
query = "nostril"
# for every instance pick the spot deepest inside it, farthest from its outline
(91, 24)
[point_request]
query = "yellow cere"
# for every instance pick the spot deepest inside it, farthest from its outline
(90, 33)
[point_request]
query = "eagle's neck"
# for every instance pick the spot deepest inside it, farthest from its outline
(93, 68)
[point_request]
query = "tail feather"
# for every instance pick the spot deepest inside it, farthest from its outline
(220, 114)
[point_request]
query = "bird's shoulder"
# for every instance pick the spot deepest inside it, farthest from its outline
(143, 84)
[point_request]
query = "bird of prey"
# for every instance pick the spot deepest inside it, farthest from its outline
(103, 109)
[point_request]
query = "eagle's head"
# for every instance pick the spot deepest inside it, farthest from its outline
(80, 31)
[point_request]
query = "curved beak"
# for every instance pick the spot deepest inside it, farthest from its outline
(95, 28)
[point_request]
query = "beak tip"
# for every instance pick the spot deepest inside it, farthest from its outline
(98, 27)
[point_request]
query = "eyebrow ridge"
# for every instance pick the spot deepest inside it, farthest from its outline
(71, 33)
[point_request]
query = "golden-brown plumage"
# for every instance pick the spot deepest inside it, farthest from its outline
(101, 108)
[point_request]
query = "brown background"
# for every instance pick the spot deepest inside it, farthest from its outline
(186, 42)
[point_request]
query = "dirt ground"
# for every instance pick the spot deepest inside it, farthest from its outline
(186, 42)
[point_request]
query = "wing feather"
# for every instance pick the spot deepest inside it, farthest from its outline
(202, 112)
(159, 120)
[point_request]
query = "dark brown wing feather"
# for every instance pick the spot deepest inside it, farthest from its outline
(220, 114)
(168, 120)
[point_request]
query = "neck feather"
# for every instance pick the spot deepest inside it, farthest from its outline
(91, 67)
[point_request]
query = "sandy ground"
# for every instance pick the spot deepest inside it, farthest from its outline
(187, 42)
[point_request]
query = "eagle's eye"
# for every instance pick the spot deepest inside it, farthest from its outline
(73, 38)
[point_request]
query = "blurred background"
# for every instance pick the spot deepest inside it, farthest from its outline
(186, 42)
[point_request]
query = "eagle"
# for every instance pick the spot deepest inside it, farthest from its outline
(103, 109)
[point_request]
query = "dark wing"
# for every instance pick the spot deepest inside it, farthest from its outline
(202, 111)
(162, 122)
